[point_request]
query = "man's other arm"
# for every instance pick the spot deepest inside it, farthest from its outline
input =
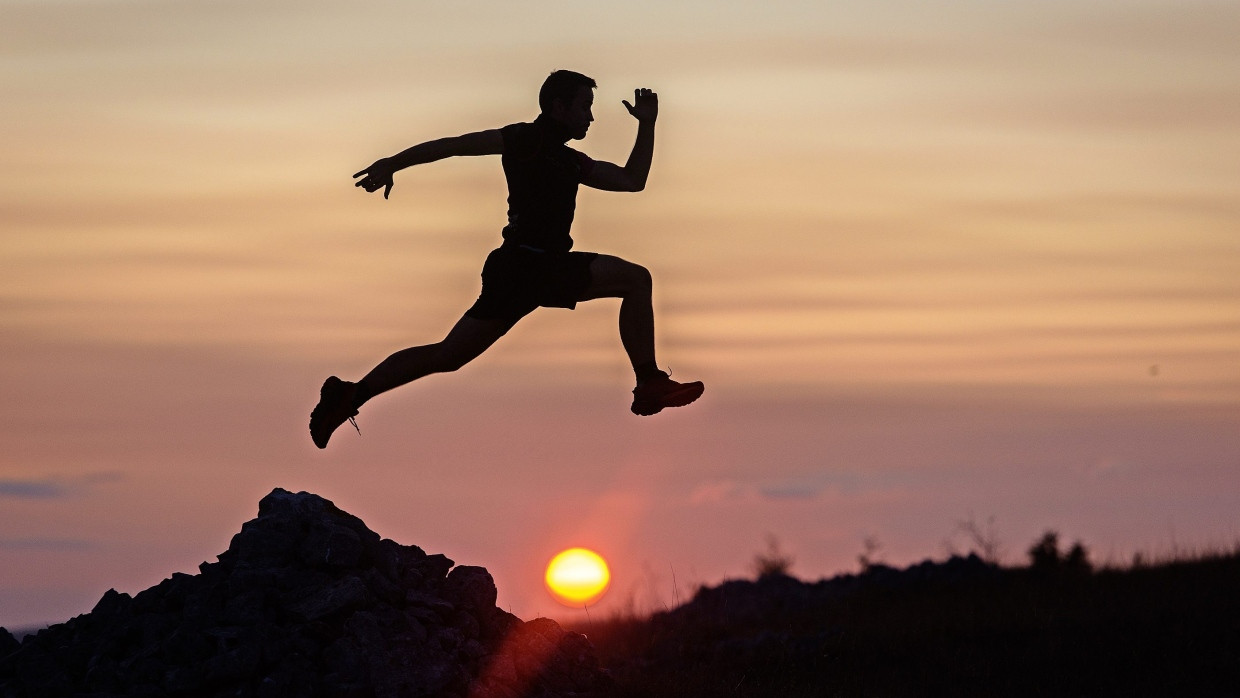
(379, 174)
(631, 177)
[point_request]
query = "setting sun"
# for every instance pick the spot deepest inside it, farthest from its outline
(577, 576)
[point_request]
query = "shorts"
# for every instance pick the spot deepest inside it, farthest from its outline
(516, 280)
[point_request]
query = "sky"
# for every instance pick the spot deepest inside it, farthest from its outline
(940, 265)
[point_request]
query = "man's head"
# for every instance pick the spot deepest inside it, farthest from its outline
(568, 97)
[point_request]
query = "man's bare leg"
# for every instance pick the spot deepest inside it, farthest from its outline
(464, 343)
(339, 400)
(612, 277)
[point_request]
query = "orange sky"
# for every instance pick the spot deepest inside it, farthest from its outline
(933, 261)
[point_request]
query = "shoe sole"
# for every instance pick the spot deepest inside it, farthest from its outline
(679, 398)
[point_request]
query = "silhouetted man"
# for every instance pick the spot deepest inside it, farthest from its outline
(535, 266)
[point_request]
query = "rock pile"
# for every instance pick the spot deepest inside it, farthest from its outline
(306, 601)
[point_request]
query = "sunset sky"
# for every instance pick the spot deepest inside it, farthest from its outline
(935, 262)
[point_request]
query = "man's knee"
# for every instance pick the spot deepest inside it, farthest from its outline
(468, 339)
(452, 363)
(639, 279)
(445, 360)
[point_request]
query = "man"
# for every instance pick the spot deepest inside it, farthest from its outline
(535, 266)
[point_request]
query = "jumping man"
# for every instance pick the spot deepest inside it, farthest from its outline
(535, 266)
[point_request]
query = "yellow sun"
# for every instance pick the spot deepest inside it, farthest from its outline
(577, 576)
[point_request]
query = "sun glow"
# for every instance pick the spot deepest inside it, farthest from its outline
(577, 577)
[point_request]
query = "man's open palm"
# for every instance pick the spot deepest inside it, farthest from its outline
(646, 107)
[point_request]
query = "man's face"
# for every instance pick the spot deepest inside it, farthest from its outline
(575, 114)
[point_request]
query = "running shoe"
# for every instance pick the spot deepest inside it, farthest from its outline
(335, 408)
(651, 396)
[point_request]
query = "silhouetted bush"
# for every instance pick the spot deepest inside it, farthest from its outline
(774, 562)
(1045, 557)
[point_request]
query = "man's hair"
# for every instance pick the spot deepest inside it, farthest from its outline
(562, 84)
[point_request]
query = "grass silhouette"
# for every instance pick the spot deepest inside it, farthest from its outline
(963, 627)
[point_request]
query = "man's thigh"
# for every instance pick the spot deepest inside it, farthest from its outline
(613, 277)
(471, 336)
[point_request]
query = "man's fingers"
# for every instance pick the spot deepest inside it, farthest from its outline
(359, 174)
(626, 104)
(387, 189)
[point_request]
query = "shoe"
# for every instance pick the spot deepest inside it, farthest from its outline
(652, 395)
(335, 408)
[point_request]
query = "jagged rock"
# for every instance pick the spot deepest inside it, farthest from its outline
(306, 601)
(471, 588)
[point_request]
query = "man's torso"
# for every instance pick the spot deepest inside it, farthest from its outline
(542, 174)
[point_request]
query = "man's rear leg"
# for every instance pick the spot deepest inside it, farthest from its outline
(340, 400)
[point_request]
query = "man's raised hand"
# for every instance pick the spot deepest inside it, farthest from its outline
(646, 104)
(378, 175)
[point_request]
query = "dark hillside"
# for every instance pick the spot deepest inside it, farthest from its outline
(959, 628)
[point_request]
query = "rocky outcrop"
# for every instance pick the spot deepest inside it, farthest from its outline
(306, 601)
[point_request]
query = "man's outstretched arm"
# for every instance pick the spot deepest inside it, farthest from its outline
(379, 174)
(631, 177)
